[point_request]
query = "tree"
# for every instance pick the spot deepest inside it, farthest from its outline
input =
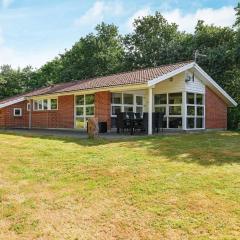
(154, 41)
(237, 22)
(10, 81)
(94, 55)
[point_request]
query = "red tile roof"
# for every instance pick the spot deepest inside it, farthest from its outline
(126, 78)
(140, 76)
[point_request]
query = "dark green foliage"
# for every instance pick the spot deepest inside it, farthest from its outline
(153, 42)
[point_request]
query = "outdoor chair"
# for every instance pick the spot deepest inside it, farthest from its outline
(121, 121)
(145, 121)
(139, 122)
(159, 118)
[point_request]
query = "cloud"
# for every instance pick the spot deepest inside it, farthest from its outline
(223, 17)
(98, 11)
(6, 3)
(138, 14)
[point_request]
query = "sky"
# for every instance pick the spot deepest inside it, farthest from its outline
(33, 32)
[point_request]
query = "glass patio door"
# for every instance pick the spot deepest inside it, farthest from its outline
(84, 109)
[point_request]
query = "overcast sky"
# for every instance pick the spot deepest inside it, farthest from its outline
(35, 31)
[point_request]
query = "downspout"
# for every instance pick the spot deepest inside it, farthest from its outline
(30, 114)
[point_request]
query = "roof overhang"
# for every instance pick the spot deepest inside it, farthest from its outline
(204, 76)
(11, 102)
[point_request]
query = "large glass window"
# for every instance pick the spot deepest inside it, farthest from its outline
(125, 102)
(45, 104)
(195, 110)
(117, 98)
(175, 110)
(127, 99)
(160, 99)
(175, 98)
(171, 105)
(84, 109)
(175, 122)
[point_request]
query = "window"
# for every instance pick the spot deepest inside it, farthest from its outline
(175, 110)
(160, 99)
(175, 122)
(160, 109)
(195, 110)
(17, 112)
(89, 99)
(190, 98)
(45, 104)
(84, 109)
(28, 107)
(175, 98)
(128, 109)
(124, 102)
(53, 104)
(171, 105)
(117, 98)
(128, 99)
(139, 100)
(116, 110)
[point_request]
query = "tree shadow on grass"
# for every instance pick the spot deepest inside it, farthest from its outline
(205, 149)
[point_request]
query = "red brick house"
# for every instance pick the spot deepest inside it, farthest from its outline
(187, 95)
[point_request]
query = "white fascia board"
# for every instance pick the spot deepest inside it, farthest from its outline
(216, 86)
(170, 74)
(12, 102)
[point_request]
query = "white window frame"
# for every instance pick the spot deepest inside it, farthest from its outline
(195, 116)
(17, 109)
(40, 103)
(28, 107)
(122, 104)
(84, 106)
(167, 105)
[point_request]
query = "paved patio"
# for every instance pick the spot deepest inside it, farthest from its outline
(81, 134)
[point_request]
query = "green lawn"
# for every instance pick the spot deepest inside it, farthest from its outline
(164, 187)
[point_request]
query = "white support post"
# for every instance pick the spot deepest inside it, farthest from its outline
(150, 108)
(184, 110)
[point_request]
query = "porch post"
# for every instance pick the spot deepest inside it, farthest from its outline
(184, 111)
(150, 107)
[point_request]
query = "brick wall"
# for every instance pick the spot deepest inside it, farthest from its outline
(216, 110)
(103, 107)
(61, 118)
(216, 113)
(65, 116)
(9, 121)
(2, 118)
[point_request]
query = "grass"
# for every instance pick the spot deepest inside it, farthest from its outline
(163, 187)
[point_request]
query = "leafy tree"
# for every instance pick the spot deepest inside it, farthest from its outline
(94, 55)
(10, 81)
(154, 41)
(217, 43)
